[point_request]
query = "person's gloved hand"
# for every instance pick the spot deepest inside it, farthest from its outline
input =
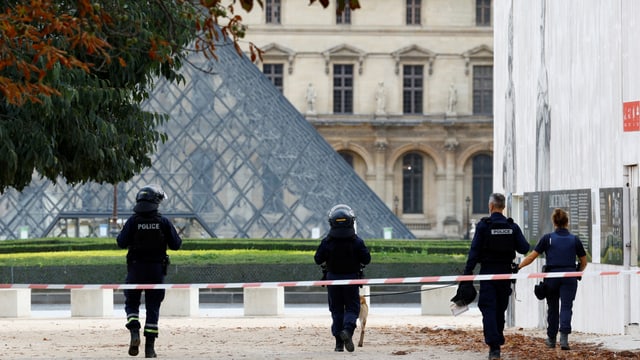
(514, 268)
(323, 267)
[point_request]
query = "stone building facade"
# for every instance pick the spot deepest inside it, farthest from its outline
(403, 90)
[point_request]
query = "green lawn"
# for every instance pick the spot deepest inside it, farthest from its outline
(66, 251)
(205, 257)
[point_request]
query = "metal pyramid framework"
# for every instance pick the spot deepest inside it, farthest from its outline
(240, 162)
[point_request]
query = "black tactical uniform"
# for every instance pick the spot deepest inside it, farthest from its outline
(344, 254)
(146, 234)
(494, 246)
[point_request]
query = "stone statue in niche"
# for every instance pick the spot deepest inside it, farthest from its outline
(453, 99)
(311, 99)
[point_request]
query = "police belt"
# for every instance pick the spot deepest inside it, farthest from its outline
(557, 268)
(144, 261)
(496, 262)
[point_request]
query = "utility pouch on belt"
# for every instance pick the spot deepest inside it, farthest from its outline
(165, 264)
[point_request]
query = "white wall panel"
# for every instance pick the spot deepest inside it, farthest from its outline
(599, 304)
(590, 54)
(631, 72)
(529, 311)
(583, 57)
(598, 308)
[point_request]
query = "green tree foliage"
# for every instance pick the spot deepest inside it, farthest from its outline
(74, 73)
(92, 128)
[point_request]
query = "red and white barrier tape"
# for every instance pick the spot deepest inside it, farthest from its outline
(383, 281)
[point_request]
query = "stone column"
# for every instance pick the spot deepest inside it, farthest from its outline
(451, 223)
(381, 169)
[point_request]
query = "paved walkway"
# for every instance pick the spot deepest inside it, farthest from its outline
(221, 331)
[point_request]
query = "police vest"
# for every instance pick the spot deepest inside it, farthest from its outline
(342, 256)
(499, 244)
(561, 252)
(148, 242)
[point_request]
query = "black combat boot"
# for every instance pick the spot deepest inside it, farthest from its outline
(345, 335)
(550, 342)
(339, 344)
(149, 351)
(135, 342)
(494, 352)
(564, 341)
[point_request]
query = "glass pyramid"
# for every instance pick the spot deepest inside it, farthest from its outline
(240, 162)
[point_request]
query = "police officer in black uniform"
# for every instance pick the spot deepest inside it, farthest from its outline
(560, 248)
(494, 244)
(344, 253)
(146, 234)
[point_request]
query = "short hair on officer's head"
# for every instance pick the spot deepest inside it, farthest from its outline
(497, 200)
(560, 218)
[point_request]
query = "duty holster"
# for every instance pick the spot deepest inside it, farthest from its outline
(540, 289)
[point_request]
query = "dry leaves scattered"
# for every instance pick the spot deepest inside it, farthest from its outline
(517, 345)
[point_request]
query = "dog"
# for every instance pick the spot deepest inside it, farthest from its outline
(364, 313)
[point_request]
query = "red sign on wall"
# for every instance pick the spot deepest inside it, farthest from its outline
(631, 116)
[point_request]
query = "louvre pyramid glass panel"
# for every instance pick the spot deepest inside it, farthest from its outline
(240, 162)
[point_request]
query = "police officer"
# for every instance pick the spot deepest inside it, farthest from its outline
(146, 234)
(494, 244)
(561, 248)
(344, 253)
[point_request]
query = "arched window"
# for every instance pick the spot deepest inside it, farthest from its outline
(482, 168)
(347, 157)
(412, 183)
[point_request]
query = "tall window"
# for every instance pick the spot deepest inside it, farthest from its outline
(345, 17)
(274, 73)
(482, 168)
(412, 88)
(483, 89)
(412, 183)
(483, 12)
(413, 12)
(272, 8)
(342, 89)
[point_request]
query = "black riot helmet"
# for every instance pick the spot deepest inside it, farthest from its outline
(341, 216)
(148, 198)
